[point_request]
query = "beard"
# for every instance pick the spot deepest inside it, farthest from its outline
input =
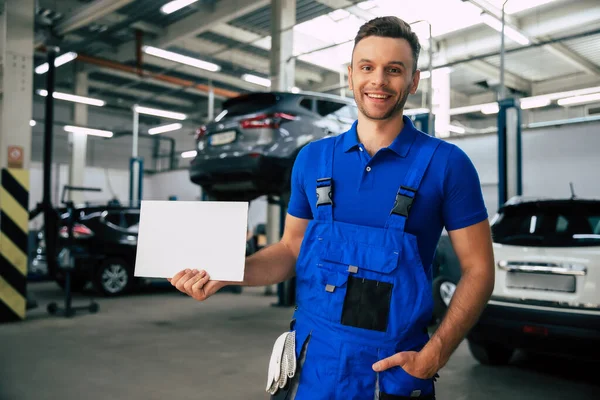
(383, 114)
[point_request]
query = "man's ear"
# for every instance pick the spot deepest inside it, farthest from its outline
(415, 81)
(350, 76)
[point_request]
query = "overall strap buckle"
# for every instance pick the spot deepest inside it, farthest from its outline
(324, 191)
(403, 202)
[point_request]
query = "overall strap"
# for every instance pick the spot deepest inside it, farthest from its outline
(408, 191)
(324, 182)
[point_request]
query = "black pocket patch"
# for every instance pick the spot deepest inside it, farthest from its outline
(367, 304)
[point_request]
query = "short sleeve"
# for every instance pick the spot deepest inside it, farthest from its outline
(299, 205)
(463, 197)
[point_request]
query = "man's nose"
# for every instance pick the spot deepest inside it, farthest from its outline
(379, 78)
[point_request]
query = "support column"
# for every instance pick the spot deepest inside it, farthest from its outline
(441, 97)
(16, 50)
(79, 140)
(211, 102)
(282, 68)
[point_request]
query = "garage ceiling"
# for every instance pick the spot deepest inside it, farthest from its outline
(235, 34)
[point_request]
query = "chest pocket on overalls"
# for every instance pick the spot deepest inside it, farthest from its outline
(359, 282)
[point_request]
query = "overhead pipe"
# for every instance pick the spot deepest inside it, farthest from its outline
(101, 62)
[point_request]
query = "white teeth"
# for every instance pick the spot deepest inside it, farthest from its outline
(378, 96)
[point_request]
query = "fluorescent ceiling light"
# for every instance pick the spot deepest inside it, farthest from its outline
(88, 131)
(492, 108)
(528, 101)
(590, 98)
(71, 97)
(32, 123)
(58, 61)
(416, 111)
(165, 128)
(257, 80)
(456, 129)
(180, 58)
(513, 34)
(160, 113)
(175, 5)
(189, 154)
(527, 104)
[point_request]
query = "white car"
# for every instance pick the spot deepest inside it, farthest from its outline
(547, 288)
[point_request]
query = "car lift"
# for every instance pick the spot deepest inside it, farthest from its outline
(66, 260)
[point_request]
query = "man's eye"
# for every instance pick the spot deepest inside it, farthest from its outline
(394, 70)
(366, 68)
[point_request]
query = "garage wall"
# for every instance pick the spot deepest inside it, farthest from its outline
(173, 183)
(113, 182)
(552, 157)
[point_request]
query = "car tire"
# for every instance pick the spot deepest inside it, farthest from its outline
(490, 353)
(442, 289)
(113, 277)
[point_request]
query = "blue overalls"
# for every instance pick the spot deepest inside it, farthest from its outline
(362, 295)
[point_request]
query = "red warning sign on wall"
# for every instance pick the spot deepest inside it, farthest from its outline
(15, 157)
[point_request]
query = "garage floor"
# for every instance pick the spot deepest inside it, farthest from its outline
(163, 345)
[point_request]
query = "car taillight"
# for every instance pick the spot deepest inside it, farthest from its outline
(200, 133)
(267, 121)
(79, 231)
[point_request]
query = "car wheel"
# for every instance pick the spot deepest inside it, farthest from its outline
(443, 290)
(490, 353)
(113, 277)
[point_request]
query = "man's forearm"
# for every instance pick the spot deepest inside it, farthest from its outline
(270, 265)
(468, 302)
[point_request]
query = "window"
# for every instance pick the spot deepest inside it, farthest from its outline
(566, 224)
(307, 103)
(249, 104)
(326, 107)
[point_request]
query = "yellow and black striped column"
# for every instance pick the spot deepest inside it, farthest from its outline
(14, 228)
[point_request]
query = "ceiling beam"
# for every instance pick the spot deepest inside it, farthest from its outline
(557, 49)
(158, 84)
(171, 101)
(87, 14)
(202, 21)
(569, 17)
(245, 58)
(492, 72)
(200, 73)
(573, 58)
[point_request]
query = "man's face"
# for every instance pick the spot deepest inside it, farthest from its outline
(381, 76)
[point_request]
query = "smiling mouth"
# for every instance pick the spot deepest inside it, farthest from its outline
(378, 96)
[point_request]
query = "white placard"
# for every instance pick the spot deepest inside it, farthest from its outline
(203, 235)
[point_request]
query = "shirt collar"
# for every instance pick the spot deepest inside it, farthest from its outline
(401, 145)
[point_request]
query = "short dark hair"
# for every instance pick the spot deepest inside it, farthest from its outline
(391, 27)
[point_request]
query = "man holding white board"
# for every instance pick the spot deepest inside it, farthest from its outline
(366, 211)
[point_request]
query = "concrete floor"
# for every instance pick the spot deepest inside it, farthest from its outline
(163, 345)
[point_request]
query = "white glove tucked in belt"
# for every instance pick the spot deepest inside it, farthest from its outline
(283, 362)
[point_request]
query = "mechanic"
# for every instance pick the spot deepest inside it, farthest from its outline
(367, 209)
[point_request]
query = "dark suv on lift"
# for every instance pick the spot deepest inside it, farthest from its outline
(249, 149)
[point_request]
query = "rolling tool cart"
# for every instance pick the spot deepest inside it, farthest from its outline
(66, 260)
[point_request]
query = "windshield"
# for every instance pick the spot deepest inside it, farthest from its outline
(248, 104)
(549, 225)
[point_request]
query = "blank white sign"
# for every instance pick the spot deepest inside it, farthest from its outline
(203, 235)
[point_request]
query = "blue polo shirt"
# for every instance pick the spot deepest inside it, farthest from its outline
(449, 197)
